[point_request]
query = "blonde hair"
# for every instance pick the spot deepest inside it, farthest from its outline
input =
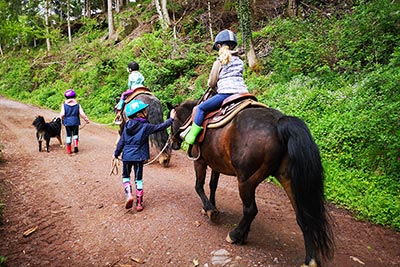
(224, 54)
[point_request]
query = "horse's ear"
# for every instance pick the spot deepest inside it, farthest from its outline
(170, 106)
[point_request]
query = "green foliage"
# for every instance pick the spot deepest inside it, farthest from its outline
(16, 76)
(3, 261)
(357, 129)
(370, 35)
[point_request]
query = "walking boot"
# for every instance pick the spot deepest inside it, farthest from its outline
(76, 142)
(139, 200)
(69, 147)
(129, 196)
(190, 138)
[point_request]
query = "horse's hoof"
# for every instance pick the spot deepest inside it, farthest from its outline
(203, 212)
(229, 239)
(210, 214)
(312, 263)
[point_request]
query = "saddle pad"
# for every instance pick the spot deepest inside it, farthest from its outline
(138, 91)
(220, 118)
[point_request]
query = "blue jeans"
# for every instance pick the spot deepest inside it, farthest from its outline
(209, 105)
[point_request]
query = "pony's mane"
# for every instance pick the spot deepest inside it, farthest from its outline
(189, 104)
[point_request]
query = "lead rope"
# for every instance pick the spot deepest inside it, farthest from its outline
(162, 150)
(114, 166)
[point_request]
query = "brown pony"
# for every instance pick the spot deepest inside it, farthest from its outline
(256, 143)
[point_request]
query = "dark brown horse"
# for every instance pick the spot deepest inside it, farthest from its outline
(257, 143)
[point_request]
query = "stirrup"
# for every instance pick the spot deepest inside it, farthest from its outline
(183, 134)
(118, 120)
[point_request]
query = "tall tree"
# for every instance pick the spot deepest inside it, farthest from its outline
(293, 7)
(244, 13)
(68, 21)
(46, 18)
(110, 20)
(163, 13)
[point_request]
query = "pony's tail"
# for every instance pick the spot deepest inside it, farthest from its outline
(307, 183)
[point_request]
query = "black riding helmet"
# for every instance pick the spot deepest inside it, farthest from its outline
(225, 37)
(132, 66)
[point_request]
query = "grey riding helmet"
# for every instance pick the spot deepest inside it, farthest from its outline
(225, 37)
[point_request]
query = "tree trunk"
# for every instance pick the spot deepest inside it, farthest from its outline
(46, 18)
(88, 9)
(210, 21)
(165, 12)
(160, 12)
(117, 6)
(68, 22)
(292, 7)
(244, 13)
(110, 20)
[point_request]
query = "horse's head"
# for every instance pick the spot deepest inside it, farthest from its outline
(183, 112)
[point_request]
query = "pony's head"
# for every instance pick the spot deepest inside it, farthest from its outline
(183, 113)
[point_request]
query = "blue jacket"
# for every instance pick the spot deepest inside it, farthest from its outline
(134, 141)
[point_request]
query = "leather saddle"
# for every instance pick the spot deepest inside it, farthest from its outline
(136, 92)
(229, 108)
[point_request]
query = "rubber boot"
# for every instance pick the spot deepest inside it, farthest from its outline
(129, 196)
(76, 142)
(190, 138)
(139, 200)
(69, 147)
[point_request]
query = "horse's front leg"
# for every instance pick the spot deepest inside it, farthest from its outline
(247, 194)
(208, 207)
(213, 186)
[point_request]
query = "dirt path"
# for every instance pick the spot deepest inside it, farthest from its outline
(78, 211)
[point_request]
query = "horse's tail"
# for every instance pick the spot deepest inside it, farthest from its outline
(307, 184)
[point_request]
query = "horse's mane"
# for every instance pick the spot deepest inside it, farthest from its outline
(189, 104)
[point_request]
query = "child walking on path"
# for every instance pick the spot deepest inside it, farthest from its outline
(226, 77)
(135, 80)
(71, 111)
(134, 146)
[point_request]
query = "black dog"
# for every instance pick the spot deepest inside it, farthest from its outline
(46, 130)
